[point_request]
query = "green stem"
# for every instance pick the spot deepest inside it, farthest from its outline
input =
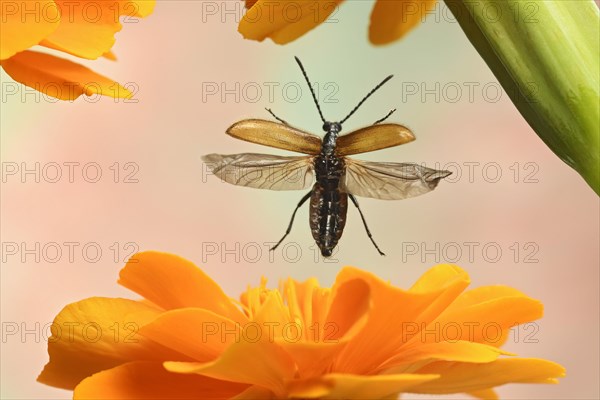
(546, 55)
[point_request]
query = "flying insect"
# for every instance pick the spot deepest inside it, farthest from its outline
(336, 177)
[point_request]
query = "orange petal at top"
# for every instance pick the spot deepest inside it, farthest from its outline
(284, 21)
(392, 19)
(25, 23)
(60, 78)
(87, 27)
(172, 282)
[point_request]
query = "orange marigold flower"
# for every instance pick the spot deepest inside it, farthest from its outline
(83, 28)
(361, 338)
(287, 20)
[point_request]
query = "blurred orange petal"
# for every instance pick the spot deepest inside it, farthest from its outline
(87, 27)
(392, 19)
(25, 23)
(109, 55)
(285, 21)
(95, 334)
(172, 282)
(60, 78)
(149, 380)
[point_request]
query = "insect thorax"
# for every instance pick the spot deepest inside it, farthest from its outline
(329, 143)
(329, 169)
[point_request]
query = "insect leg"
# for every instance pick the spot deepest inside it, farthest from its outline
(365, 223)
(289, 228)
(276, 117)
(384, 118)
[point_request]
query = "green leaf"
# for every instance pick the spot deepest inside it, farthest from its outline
(546, 55)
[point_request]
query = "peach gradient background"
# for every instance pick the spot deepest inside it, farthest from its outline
(169, 56)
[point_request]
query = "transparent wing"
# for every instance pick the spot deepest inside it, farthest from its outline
(389, 181)
(262, 171)
(274, 134)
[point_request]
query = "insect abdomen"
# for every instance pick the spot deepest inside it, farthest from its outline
(328, 208)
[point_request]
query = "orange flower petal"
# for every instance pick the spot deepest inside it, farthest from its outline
(448, 281)
(348, 314)
(468, 377)
(253, 393)
(460, 351)
(285, 21)
(262, 363)
(25, 23)
(483, 294)
(60, 78)
(392, 19)
(87, 27)
(312, 358)
(486, 314)
(314, 388)
(96, 334)
(307, 301)
(148, 380)
(485, 394)
(172, 282)
(109, 55)
(392, 308)
(272, 311)
(346, 386)
(366, 355)
(200, 334)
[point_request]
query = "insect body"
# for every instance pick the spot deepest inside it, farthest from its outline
(337, 176)
(328, 203)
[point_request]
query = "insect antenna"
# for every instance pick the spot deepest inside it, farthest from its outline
(311, 88)
(366, 97)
